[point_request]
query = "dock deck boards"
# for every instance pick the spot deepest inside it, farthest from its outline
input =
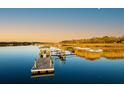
(43, 65)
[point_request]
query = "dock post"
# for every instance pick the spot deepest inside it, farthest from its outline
(35, 65)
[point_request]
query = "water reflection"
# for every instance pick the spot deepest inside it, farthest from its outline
(60, 60)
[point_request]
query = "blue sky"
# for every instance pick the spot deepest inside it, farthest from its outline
(59, 24)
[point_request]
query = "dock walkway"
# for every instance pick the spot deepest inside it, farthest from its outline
(42, 65)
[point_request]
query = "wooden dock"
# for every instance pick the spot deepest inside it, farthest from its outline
(42, 66)
(43, 75)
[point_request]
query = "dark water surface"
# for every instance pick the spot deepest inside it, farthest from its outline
(16, 63)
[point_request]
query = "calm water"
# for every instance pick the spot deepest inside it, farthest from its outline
(16, 63)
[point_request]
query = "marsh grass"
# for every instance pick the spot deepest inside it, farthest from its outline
(111, 53)
(110, 50)
(87, 54)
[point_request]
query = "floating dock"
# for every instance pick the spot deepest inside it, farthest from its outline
(43, 75)
(42, 66)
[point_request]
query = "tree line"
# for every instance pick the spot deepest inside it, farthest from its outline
(104, 39)
(20, 43)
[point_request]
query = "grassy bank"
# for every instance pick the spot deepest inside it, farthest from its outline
(88, 55)
(110, 50)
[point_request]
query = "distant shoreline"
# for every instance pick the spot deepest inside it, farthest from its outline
(21, 43)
